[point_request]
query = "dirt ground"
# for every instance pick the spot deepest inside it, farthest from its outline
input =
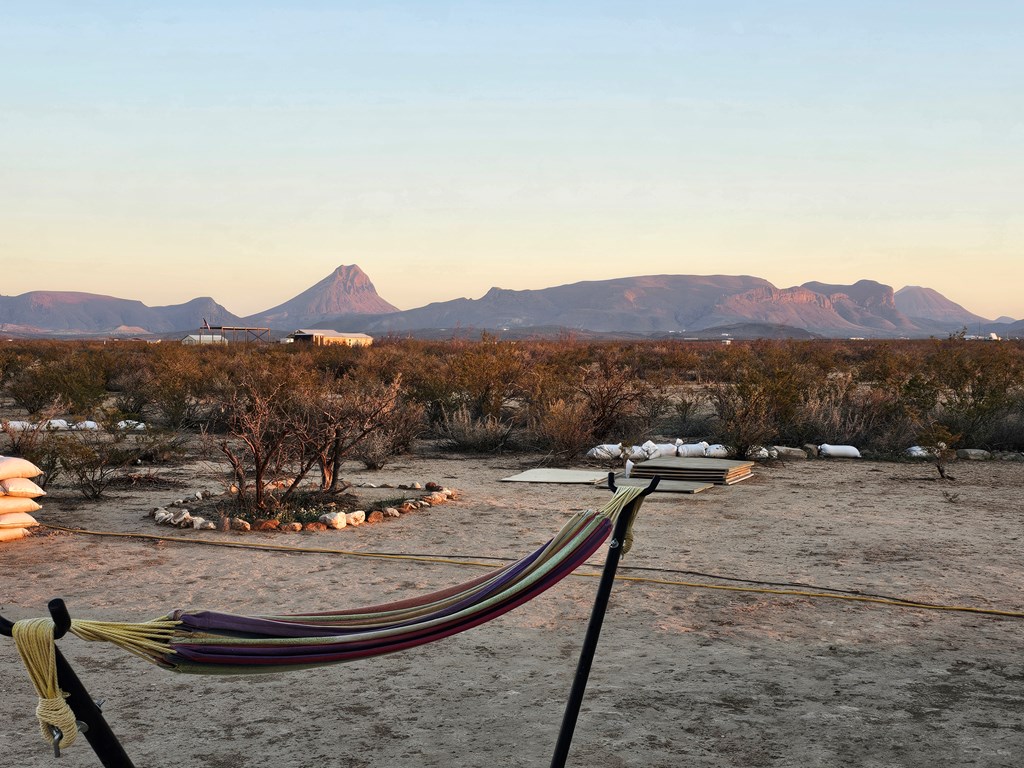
(684, 676)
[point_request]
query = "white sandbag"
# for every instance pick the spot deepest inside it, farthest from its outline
(656, 451)
(129, 425)
(13, 466)
(629, 468)
(759, 453)
(91, 426)
(19, 426)
(692, 450)
(12, 505)
(635, 453)
(838, 451)
(12, 534)
(605, 452)
(917, 452)
(56, 425)
(21, 487)
(17, 520)
(717, 451)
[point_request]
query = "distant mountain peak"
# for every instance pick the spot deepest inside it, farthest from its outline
(927, 303)
(346, 291)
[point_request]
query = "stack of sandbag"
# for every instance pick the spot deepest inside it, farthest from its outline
(17, 497)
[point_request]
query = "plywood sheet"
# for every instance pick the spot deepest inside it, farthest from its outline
(665, 486)
(573, 476)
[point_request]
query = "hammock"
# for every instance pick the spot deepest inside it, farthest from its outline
(209, 642)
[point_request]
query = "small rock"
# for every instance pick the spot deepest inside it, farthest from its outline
(208, 525)
(404, 486)
(355, 518)
(224, 524)
(369, 485)
(422, 504)
(197, 522)
(812, 450)
(199, 495)
(181, 517)
(315, 526)
(268, 525)
(291, 527)
(416, 486)
(784, 452)
(432, 486)
(238, 524)
(973, 454)
(234, 489)
(386, 485)
(391, 512)
(448, 493)
(334, 520)
(376, 516)
(407, 507)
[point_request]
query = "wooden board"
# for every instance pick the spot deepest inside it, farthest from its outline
(665, 486)
(718, 471)
(573, 476)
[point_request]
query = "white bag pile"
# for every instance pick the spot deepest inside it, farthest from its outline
(653, 450)
(838, 451)
(17, 495)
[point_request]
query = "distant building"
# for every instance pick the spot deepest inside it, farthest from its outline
(323, 337)
(204, 338)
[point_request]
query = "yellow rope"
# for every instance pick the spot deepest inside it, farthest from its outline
(147, 640)
(34, 640)
(577, 573)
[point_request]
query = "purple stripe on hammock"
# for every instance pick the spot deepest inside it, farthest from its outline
(213, 621)
(334, 652)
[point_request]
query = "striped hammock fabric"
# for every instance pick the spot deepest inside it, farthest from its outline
(208, 642)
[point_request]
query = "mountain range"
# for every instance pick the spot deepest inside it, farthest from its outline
(652, 305)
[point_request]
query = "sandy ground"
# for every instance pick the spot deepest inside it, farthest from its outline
(683, 676)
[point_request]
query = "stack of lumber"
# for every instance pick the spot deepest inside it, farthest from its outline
(695, 470)
(17, 497)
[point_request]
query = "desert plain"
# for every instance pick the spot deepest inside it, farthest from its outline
(684, 675)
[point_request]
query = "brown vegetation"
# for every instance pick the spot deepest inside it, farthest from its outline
(277, 411)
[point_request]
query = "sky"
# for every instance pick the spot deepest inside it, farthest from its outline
(242, 150)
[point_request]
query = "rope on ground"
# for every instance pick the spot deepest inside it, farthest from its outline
(895, 602)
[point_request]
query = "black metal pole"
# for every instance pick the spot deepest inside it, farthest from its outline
(604, 590)
(91, 721)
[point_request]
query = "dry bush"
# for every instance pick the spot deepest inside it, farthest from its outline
(563, 427)
(76, 378)
(488, 434)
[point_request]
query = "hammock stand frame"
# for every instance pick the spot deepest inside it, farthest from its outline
(112, 754)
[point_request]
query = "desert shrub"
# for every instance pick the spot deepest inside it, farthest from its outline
(393, 436)
(620, 401)
(979, 385)
(757, 392)
(564, 428)
(175, 382)
(486, 434)
(94, 459)
(77, 379)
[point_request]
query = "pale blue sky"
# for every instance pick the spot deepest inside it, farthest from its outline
(162, 151)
